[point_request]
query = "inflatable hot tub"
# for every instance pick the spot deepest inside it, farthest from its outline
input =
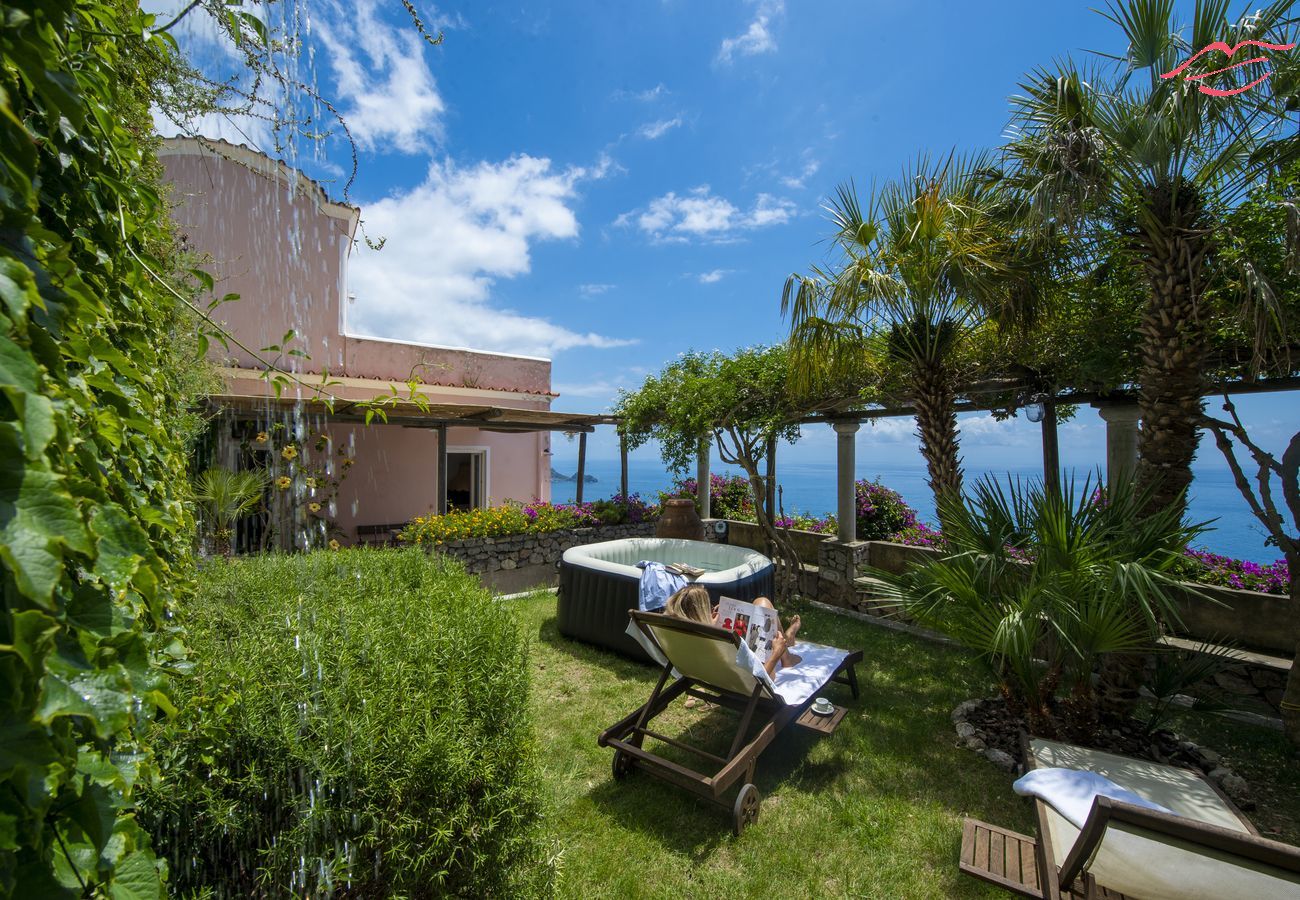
(599, 583)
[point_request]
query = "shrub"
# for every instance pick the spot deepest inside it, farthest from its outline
(801, 522)
(1211, 568)
(729, 496)
(881, 512)
(918, 534)
(356, 722)
(516, 518)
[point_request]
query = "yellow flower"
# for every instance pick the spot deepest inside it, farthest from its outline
(283, 482)
(311, 483)
(314, 507)
(261, 437)
(289, 452)
(334, 545)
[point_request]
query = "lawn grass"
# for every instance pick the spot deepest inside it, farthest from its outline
(874, 810)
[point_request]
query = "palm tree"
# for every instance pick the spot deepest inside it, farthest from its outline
(1121, 148)
(227, 497)
(921, 269)
(1045, 585)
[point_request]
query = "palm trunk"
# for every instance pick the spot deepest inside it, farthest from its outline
(936, 424)
(1174, 350)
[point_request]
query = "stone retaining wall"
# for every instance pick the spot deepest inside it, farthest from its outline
(529, 559)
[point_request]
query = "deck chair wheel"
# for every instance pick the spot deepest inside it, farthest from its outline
(622, 765)
(745, 812)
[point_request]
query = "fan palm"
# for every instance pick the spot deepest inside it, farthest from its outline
(921, 266)
(227, 497)
(1120, 148)
(1044, 584)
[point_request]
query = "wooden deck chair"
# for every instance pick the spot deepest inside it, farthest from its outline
(1207, 851)
(713, 664)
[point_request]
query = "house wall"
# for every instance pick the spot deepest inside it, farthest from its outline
(278, 242)
(394, 478)
(273, 237)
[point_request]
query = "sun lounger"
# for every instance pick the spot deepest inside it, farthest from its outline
(713, 664)
(1205, 850)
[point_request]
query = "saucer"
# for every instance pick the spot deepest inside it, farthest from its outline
(823, 707)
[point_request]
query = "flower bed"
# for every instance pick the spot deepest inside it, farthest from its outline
(883, 515)
(1211, 568)
(533, 518)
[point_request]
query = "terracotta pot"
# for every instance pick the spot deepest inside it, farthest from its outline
(680, 520)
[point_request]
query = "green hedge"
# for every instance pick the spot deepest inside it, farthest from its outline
(356, 721)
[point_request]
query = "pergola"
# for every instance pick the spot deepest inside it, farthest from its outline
(435, 417)
(1118, 408)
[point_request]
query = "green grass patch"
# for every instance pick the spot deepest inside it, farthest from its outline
(873, 810)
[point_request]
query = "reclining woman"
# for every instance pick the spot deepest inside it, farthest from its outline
(693, 602)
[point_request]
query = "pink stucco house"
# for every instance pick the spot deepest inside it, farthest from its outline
(274, 237)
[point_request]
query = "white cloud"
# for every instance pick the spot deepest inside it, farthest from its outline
(769, 210)
(211, 52)
(652, 131)
(755, 39)
(646, 96)
(795, 182)
(449, 240)
(602, 388)
(594, 290)
(713, 277)
(383, 85)
(701, 214)
(376, 75)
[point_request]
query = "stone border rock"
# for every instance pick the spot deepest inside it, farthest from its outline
(1166, 747)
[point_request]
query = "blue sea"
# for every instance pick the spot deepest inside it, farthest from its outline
(810, 488)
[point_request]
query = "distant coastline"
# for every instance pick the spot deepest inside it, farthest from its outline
(557, 475)
(810, 488)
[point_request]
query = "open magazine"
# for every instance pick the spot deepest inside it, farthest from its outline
(755, 625)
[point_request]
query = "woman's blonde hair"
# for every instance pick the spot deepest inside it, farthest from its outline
(691, 602)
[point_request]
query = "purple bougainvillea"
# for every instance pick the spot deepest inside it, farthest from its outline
(1225, 571)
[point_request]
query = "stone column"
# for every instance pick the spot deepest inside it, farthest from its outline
(702, 480)
(846, 498)
(1121, 441)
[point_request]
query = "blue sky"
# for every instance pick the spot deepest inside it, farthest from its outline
(611, 184)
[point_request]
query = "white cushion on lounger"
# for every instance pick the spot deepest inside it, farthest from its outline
(712, 661)
(795, 685)
(815, 669)
(1138, 863)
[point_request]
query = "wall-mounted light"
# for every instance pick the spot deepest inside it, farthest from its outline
(1035, 409)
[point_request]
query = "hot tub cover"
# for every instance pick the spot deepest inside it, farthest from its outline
(722, 562)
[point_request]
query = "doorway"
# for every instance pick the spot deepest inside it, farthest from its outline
(466, 479)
